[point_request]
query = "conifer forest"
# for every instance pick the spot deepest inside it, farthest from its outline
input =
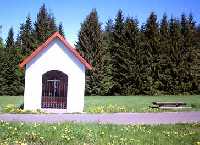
(158, 57)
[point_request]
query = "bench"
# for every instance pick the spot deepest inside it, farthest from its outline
(169, 105)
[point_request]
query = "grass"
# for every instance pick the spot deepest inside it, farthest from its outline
(99, 134)
(5, 100)
(103, 134)
(135, 103)
(101, 104)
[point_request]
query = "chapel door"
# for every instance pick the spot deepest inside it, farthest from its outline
(54, 90)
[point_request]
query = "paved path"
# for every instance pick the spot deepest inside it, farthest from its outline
(114, 118)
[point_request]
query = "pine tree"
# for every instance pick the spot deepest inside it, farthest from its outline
(164, 56)
(44, 25)
(106, 82)
(115, 51)
(175, 54)
(90, 46)
(131, 59)
(2, 61)
(25, 41)
(151, 34)
(187, 30)
(52, 24)
(10, 40)
(61, 30)
(196, 62)
(10, 67)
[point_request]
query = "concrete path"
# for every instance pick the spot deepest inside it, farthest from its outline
(114, 118)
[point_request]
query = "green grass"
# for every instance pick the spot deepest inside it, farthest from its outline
(99, 134)
(5, 100)
(100, 104)
(135, 103)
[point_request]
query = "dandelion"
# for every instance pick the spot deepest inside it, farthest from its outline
(54, 127)
(102, 133)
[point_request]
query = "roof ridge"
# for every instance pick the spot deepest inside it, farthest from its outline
(45, 44)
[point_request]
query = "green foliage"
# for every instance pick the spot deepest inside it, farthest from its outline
(25, 40)
(158, 58)
(29, 37)
(45, 25)
(91, 48)
(61, 30)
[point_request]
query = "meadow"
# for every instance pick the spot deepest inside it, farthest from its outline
(103, 134)
(102, 104)
(98, 134)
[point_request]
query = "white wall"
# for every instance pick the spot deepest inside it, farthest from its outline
(55, 57)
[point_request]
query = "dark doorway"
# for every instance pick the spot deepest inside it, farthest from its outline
(54, 90)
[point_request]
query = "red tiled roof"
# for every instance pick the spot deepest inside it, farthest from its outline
(67, 46)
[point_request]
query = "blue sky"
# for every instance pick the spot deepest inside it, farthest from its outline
(72, 12)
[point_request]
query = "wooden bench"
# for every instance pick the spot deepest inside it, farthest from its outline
(169, 105)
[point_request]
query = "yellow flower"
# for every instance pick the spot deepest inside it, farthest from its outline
(198, 143)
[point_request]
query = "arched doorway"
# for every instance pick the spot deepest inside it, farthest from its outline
(54, 90)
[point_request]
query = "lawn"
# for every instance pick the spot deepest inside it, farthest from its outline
(100, 104)
(99, 134)
(135, 103)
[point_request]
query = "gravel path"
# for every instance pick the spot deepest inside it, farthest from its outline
(114, 118)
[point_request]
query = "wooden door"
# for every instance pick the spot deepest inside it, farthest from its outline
(54, 90)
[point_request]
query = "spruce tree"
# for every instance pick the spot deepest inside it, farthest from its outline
(11, 60)
(164, 56)
(25, 41)
(52, 24)
(90, 46)
(131, 58)
(151, 34)
(61, 30)
(116, 53)
(188, 44)
(2, 61)
(175, 54)
(10, 40)
(44, 25)
(107, 79)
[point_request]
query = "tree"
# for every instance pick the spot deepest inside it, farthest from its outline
(61, 30)
(10, 40)
(151, 36)
(2, 61)
(11, 59)
(107, 78)
(175, 54)
(90, 46)
(44, 25)
(131, 58)
(25, 41)
(52, 23)
(115, 52)
(164, 56)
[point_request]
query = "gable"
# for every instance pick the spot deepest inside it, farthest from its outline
(55, 36)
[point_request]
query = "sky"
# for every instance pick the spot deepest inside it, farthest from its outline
(73, 12)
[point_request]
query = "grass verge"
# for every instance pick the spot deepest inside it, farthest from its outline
(99, 134)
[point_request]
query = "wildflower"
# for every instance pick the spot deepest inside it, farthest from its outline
(54, 127)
